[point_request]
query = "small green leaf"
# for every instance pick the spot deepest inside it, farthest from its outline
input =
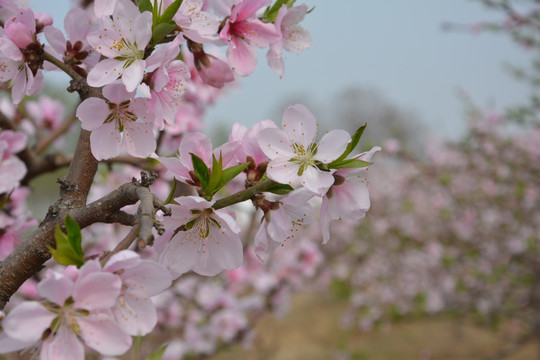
(280, 189)
(170, 11)
(352, 145)
(351, 163)
(231, 173)
(215, 176)
(68, 246)
(201, 170)
(158, 354)
(171, 194)
(271, 12)
(156, 11)
(162, 30)
(74, 235)
(145, 5)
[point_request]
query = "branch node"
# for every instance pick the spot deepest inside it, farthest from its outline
(66, 185)
(148, 179)
(79, 86)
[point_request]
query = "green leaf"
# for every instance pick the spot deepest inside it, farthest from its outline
(74, 235)
(232, 172)
(162, 30)
(158, 354)
(355, 139)
(280, 189)
(145, 5)
(68, 246)
(169, 13)
(351, 163)
(272, 11)
(215, 176)
(171, 194)
(156, 11)
(201, 170)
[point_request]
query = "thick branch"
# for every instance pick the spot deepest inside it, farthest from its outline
(29, 257)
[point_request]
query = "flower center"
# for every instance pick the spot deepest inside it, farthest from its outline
(120, 113)
(304, 157)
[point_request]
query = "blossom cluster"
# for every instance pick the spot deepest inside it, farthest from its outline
(145, 72)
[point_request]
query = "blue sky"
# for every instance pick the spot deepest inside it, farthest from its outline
(394, 46)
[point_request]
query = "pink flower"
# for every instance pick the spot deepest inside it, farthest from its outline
(12, 169)
(73, 311)
(77, 50)
(141, 279)
(119, 120)
(196, 24)
(25, 77)
(242, 30)
(347, 198)
(283, 223)
(295, 157)
(204, 240)
(166, 83)
(294, 38)
(122, 39)
(197, 143)
(46, 112)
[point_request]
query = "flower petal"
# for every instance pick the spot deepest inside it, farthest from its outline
(105, 141)
(92, 112)
(332, 145)
(96, 291)
(300, 124)
(102, 334)
(105, 72)
(27, 321)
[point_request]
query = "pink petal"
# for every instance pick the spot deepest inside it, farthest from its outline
(92, 112)
(135, 313)
(105, 72)
(296, 39)
(242, 57)
(27, 321)
(182, 252)
(332, 145)
(18, 88)
(139, 139)
(283, 172)
(122, 260)
(247, 8)
(316, 180)
(149, 277)
(103, 335)
(275, 143)
(325, 219)
(105, 141)
(264, 245)
(8, 344)
(63, 346)
(77, 24)
(55, 288)
(300, 124)
(12, 170)
(143, 29)
(175, 166)
(226, 248)
(116, 93)
(258, 33)
(55, 38)
(96, 291)
(133, 75)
